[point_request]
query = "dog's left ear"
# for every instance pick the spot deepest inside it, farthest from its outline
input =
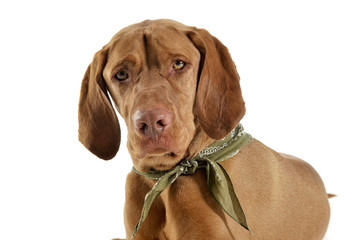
(219, 102)
(99, 129)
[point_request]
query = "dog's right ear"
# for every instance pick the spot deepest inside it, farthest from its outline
(99, 129)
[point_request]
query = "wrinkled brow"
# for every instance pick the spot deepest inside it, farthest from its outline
(116, 63)
(128, 59)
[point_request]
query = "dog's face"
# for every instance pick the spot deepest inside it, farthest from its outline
(151, 75)
(165, 79)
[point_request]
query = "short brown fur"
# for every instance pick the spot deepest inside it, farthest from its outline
(283, 197)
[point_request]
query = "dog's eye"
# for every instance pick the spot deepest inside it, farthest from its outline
(178, 65)
(121, 76)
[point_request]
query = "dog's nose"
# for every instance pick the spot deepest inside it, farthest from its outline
(151, 122)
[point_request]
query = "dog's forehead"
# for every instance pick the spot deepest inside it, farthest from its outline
(153, 27)
(156, 35)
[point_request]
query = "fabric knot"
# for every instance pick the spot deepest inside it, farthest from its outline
(189, 166)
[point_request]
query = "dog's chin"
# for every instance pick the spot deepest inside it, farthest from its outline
(165, 161)
(157, 159)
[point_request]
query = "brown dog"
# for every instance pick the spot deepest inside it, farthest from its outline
(178, 90)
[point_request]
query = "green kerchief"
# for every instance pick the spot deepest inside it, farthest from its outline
(218, 181)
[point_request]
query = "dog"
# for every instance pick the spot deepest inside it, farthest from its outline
(178, 90)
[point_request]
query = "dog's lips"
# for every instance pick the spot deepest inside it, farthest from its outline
(157, 152)
(159, 159)
(158, 147)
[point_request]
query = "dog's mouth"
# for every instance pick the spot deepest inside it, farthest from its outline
(161, 152)
(158, 157)
(159, 146)
(171, 154)
(158, 152)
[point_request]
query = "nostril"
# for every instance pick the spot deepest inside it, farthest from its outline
(143, 127)
(160, 123)
(163, 120)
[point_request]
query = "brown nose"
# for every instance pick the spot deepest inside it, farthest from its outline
(151, 122)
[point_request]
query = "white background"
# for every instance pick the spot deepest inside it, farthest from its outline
(299, 63)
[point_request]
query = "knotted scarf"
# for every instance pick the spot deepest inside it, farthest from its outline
(218, 182)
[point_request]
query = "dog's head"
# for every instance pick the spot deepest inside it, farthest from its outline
(165, 80)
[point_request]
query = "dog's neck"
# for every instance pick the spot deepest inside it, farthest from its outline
(199, 141)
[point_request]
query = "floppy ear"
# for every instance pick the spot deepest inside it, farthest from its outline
(99, 129)
(219, 102)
